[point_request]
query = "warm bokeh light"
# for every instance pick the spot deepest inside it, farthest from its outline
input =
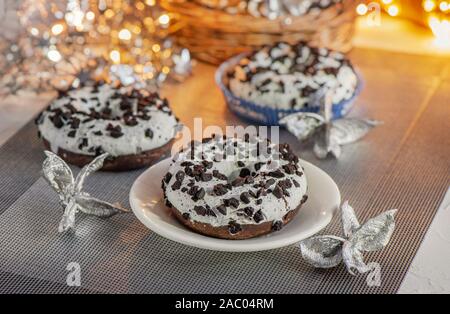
(429, 5)
(362, 9)
(156, 48)
(115, 56)
(441, 30)
(109, 13)
(57, 29)
(166, 70)
(124, 34)
(54, 55)
(140, 6)
(393, 10)
(387, 1)
(164, 19)
(90, 16)
(34, 31)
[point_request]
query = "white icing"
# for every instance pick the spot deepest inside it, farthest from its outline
(133, 141)
(273, 208)
(291, 73)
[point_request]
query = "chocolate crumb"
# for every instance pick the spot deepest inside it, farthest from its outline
(186, 216)
(199, 195)
(234, 227)
(278, 192)
(277, 226)
(180, 176)
(222, 209)
(149, 133)
(200, 210)
(245, 197)
(258, 216)
(176, 185)
(304, 199)
(220, 189)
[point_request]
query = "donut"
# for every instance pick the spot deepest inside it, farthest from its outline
(285, 76)
(134, 126)
(234, 188)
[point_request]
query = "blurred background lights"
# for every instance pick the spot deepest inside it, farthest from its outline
(124, 34)
(57, 29)
(114, 55)
(90, 16)
(54, 55)
(164, 19)
(393, 10)
(362, 9)
(429, 5)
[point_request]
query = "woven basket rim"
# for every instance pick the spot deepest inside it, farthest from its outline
(194, 13)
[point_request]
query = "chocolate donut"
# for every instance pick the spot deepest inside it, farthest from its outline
(235, 188)
(134, 126)
(286, 76)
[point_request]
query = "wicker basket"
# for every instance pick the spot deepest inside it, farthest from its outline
(213, 35)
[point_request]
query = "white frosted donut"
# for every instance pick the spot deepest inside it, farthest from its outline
(253, 183)
(102, 118)
(285, 76)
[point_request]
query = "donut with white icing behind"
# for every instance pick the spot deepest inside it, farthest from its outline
(285, 76)
(135, 127)
(235, 188)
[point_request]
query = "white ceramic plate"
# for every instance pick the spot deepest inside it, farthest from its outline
(146, 200)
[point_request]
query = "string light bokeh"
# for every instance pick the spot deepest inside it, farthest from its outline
(75, 40)
(434, 13)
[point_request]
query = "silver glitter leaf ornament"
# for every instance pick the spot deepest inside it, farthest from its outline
(322, 252)
(375, 233)
(302, 125)
(349, 221)
(353, 259)
(72, 199)
(95, 165)
(328, 135)
(96, 207)
(330, 251)
(57, 173)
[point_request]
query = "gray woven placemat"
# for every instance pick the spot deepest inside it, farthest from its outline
(120, 255)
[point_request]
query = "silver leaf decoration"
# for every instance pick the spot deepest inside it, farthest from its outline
(349, 221)
(328, 135)
(302, 125)
(68, 220)
(346, 131)
(353, 259)
(92, 206)
(375, 233)
(72, 199)
(330, 251)
(57, 173)
(95, 165)
(322, 252)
